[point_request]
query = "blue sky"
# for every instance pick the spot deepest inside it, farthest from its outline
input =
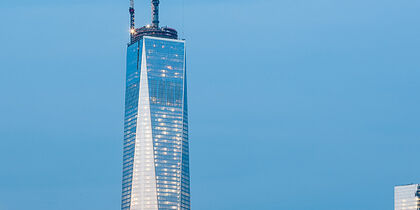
(293, 104)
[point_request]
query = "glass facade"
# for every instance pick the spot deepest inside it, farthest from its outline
(156, 158)
(407, 197)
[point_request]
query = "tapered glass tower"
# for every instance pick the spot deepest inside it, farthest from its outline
(156, 152)
(407, 197)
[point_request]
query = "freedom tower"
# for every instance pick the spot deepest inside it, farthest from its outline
(156, 151)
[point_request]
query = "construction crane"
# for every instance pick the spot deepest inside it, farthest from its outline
(155, 16)
(132, 19)
(155, 13)
(152, 29)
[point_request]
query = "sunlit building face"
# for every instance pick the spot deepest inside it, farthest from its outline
(156, 160)
(407, 197)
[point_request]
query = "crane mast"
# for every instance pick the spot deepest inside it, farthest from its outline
(132, 19)
(155, 13)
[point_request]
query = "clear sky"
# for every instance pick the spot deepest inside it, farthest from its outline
(294, 104)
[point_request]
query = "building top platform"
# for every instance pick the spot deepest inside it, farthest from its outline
(161, 32)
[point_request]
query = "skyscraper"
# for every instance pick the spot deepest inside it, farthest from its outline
(156, 151)
(407, 197)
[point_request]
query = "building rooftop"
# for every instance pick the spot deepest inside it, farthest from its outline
(402, 185)
(150, 30)
(162, 32)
